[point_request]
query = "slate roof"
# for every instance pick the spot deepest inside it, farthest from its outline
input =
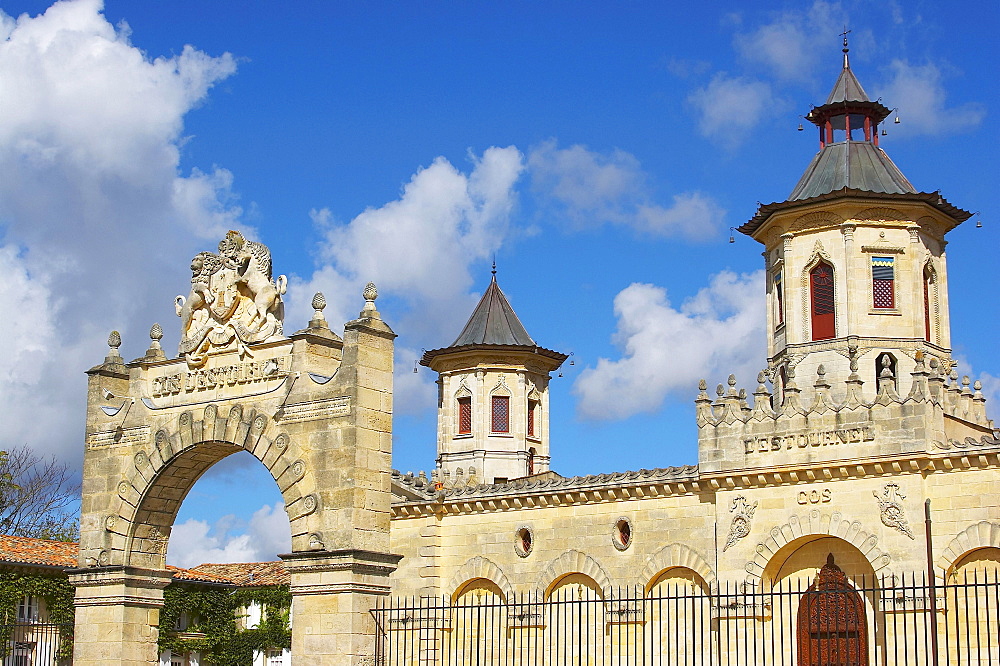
(493, 325)
(24, 550)
(493, 322)
(847, 88)
(857, 165)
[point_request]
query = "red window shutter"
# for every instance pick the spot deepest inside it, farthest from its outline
(501, 413)
(464, 416)
(824, 312)
(531, 418)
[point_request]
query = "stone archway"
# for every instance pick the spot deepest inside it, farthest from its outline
(315, 409)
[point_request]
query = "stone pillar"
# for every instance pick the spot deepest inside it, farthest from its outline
(335, 586)
(333, 593)
(117, 615)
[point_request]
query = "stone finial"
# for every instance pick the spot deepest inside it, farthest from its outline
(155, 351)
(318, 304)
(720, 390)
(702, 385)
(978, 386)
(370, 294)
(115, 341)
(732, 380)
(761, 378)
(886, 370)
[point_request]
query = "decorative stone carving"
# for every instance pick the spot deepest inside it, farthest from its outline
(891, 509)
(233, 301)
(742, 521)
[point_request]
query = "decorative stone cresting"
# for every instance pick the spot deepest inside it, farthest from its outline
(481, 567)
(243, 428)
(673, 556)
(570, 562)
(817, 524)
(983, 534)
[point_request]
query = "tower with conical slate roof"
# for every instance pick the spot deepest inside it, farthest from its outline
(493, 397)
(855, 256)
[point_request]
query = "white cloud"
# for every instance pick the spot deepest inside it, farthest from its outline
(590, 188)
(729, 107)
(666, 349)
(792, 43)
(418, 250)
(919, 93)
(93, 207)
(195, 542)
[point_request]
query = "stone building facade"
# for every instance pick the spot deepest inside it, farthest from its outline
(858, 424)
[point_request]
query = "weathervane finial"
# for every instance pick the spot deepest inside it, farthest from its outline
(844, 35)
(494, 271)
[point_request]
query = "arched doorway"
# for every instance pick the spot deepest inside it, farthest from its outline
(831, 627)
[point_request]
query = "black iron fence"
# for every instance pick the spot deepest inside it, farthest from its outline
(892, 620)
(36, 644)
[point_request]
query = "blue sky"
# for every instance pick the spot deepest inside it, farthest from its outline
(601, 151)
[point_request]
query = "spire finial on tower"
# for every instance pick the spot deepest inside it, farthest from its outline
(844, 35)
(494, 270)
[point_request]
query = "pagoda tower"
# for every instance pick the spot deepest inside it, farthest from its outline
(855, 256)
(493, 396)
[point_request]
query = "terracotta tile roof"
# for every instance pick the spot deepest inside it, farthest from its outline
(249, 573)
(23, 550)
(27, 551)
(199, 576)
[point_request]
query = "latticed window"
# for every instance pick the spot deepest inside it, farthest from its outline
(824, 317)
(27, 609)
(464, 416)
(532, 407)
(501, 413)
(883, 278)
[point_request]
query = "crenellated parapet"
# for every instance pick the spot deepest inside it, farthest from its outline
(824, 422)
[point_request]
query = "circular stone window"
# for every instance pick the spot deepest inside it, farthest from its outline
(621, 535)
(524, 541)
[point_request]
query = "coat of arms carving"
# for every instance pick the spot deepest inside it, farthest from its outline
(233, 301)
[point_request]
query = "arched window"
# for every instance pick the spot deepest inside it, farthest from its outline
(824, 317)
(880, 365)
(928, 286)
(832, 629)
(531, 460)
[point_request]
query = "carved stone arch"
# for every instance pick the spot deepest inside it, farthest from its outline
(819, 524)
(819, 254)
(463, 390)
(179, 453)
(675, 555)
(501, 387)
(481, 567)
(983, 534)
(570, 562)
(881, 214)
(820, 219)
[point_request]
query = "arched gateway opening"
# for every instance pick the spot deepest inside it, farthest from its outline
(313, 408)
(831, 627)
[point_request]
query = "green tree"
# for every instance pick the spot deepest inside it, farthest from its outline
(38, 496)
